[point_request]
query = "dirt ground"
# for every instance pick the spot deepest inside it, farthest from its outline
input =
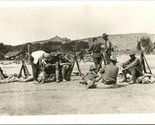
(73, 98)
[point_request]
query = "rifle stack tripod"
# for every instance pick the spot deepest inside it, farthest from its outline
(144, 63)
(24, 69)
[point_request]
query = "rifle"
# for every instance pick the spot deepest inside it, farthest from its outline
(100, 65)
(2, 75)
(77, 63)
(143, 61)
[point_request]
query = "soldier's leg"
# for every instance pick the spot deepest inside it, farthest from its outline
(134, 72)
(99, 62)
(57, 68)
(95, 62)
(68, 72)
(138, 72)
(124, 72)
(63, 72)
(35, 69)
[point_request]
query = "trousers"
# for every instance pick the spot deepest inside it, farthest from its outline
(35, 68)
(135, 73)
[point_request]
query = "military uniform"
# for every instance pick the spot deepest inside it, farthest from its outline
(37, 58)
(134, 68)
(109, 74)
(95, 48)
(60, 66)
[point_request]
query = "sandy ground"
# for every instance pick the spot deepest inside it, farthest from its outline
(73, 98)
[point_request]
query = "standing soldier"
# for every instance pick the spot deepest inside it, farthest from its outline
(95, 48)
(107, 52)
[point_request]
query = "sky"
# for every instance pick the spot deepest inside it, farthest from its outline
(22, 23)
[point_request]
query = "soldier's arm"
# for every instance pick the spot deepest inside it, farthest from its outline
(134, 63)
(67, 59)
(99, 77)
(90, 48)
(35, 61)
(125, 63)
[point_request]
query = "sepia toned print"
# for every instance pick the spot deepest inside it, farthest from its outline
(77, 59)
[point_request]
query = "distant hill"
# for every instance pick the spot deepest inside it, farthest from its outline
(124, 41)
(54, 39)
(119, 41)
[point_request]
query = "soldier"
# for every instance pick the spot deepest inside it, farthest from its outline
(60, 66)
(90, 77)
(109, 72)
(133, 67)
(63, 68)
(95, 48)
(107, 52)
(38, 59)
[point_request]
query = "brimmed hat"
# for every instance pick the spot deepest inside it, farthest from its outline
(92, 68)
(104, 35)
(113, 58)
(132, 53)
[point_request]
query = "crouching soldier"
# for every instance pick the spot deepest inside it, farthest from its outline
(64, 68)
(109, 72)
(60, 67)
(90, 78)
(38, 59)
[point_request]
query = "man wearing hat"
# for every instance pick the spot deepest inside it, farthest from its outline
(107, 49)
(109, 72)
(38, 59)
(95, 48)
(133, 67)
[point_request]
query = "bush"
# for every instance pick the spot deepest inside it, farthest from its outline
(145, 44)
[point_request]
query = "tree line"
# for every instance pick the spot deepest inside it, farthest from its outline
(72, 46)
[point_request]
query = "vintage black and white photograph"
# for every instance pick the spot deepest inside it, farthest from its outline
(77, 59)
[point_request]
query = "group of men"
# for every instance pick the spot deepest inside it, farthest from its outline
(45, 65)
(61, 67)
(109, 72)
